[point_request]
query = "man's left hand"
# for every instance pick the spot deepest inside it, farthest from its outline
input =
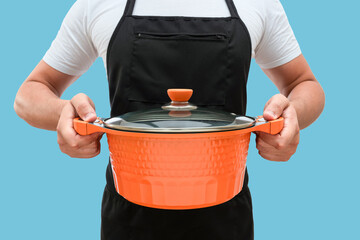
(282, 146)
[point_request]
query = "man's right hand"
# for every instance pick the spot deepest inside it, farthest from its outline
(70, 142)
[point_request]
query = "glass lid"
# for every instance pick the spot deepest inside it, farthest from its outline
(179, 116)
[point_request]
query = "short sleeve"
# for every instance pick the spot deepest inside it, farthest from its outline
(278, 44)
(72, 51)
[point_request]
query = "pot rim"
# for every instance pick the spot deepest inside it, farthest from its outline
(109, 123)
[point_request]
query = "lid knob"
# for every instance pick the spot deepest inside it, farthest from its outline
(180, 95)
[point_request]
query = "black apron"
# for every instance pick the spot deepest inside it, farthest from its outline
(148, 55)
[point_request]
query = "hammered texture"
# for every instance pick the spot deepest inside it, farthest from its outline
(178, 173)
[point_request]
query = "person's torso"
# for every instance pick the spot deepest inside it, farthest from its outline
(148, 55)
(103, 16)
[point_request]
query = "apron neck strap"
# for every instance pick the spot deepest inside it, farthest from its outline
(231, 6)
(129, 8)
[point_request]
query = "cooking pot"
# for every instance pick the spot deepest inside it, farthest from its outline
(179, 156)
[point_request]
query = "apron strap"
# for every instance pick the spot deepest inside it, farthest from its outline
(129, 8)
(232, 8)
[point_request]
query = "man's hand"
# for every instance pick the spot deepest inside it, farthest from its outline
(70, 142)
(282, 146)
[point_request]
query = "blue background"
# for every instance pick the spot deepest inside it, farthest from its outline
(45, 194)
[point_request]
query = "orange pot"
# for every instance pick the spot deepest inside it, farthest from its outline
(175, 157)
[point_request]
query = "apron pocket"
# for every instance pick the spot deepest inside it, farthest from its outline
(163, 60)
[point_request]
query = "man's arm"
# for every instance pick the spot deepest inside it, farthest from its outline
(296, 81)
(301, 101)
(38, 99)
(38, 103)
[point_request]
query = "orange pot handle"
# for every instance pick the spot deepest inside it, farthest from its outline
(272, 127)
(86, 128)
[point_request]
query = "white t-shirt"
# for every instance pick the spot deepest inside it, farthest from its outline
(88, 26)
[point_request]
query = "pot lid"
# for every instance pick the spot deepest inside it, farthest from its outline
(179, 116)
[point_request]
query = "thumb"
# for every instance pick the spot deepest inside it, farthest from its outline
(275, 107)
(84, 107)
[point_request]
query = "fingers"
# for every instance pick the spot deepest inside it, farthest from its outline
(274, 156)
(84, 107)
(86, 147)
(279, 142)
(69, 141)
(261, 144)
(275, 107)
(289, 131)
(271, 153)
(282, 146)
(77, 141)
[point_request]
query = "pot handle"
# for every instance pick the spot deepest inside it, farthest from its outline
(86, 128)
(272, 127)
